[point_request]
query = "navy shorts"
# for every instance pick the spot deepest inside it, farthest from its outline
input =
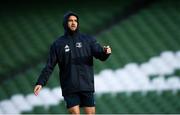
(83, 99)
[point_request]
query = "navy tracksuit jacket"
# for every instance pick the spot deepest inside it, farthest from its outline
(74, 54)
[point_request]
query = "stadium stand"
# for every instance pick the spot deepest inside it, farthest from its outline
(141, 76)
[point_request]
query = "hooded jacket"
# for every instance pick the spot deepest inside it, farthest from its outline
(73, 52)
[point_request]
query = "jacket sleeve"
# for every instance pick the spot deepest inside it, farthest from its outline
(47, 70)
(98, 51)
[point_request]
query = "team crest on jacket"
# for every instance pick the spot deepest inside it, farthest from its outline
(78, 44)
(66, 48)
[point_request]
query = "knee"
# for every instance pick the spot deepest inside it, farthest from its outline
(90, 110)
(74, 110)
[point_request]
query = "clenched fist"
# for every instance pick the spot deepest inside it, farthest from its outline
(37, 89)
(107, 49)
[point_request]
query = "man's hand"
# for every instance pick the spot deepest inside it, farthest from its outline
(37, 89)
(107, 49)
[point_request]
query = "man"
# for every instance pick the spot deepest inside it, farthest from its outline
(74, 54)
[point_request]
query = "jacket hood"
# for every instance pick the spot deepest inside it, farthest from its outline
(65, 23)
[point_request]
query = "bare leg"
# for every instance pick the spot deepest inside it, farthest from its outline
(74, 110)
(89, 110)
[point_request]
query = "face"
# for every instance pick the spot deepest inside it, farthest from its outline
(72, 23)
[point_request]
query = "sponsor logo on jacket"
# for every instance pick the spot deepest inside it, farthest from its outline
(66, 48)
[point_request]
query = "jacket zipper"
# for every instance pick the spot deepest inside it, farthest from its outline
(77, 68)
